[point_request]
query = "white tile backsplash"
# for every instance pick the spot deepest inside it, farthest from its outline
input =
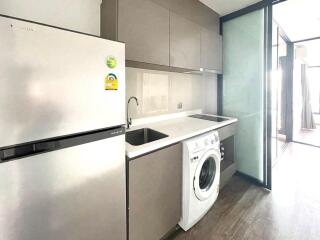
(181, 86)
(160, 92)
(211, 87)
(155, 93)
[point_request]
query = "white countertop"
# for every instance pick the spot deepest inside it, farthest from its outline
(177, 129)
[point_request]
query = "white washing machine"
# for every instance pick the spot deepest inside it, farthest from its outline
(201, 177)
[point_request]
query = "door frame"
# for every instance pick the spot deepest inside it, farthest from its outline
(267, 121)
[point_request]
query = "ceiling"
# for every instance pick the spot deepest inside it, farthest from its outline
(311, 52)
(224, 7)
(299, 19)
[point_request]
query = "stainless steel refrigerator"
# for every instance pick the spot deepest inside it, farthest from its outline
(62, 142)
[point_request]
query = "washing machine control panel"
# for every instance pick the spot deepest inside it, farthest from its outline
(201, 144)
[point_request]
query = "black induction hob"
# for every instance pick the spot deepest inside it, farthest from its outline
(209, 118)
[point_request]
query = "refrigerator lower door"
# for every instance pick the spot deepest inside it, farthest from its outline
(76, 193)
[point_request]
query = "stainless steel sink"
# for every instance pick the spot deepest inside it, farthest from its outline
(143, 135)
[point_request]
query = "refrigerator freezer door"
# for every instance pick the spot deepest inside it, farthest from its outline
(77, 193)
(52, 82)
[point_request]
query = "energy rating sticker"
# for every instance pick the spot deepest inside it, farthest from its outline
(111, 62)
(111, 82)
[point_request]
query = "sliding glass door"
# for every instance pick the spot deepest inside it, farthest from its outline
(280, 83)
(245, 90)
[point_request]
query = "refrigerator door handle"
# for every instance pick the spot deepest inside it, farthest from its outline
(46, 146)
(28, 149)
(17, 152)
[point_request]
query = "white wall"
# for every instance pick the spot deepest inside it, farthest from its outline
(77, 15)
(210, 93)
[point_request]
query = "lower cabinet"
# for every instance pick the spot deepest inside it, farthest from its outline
(227, 147)
(155, 182)
(228, 152)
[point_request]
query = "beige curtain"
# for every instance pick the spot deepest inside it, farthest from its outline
(307, 120)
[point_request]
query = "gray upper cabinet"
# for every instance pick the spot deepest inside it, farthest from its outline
(211, 50)
(185, 38)
(144, 26)
(170, 35)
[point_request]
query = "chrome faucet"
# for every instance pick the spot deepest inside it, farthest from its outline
(129, 120)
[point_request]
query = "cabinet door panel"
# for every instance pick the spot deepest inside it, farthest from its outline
(185, 38)
(144, 26)
(155, 184)
(211, 50)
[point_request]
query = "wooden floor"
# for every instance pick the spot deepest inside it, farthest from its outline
(308, 136)
(290, 211)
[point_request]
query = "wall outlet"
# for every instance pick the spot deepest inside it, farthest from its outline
(179, 106)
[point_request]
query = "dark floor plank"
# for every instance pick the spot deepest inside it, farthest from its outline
(245, 211)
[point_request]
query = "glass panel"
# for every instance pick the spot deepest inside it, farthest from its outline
(274, 89)
(279, 82)
(207, 174)
(243, 88)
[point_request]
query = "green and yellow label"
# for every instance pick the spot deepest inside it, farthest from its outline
(111, 82)
(111, 62)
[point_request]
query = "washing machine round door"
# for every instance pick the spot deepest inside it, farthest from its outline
(207, 175)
